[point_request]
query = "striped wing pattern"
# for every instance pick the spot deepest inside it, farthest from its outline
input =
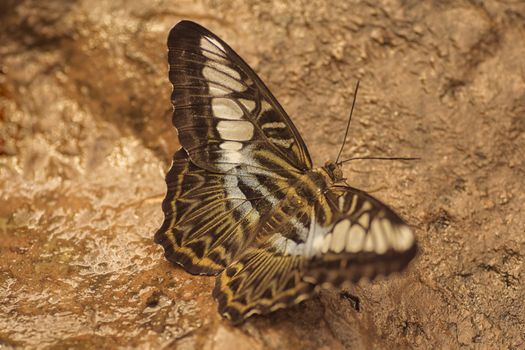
(330, 240)
(208, 216)
(243, 200)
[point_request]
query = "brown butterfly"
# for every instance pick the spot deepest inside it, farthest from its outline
(244, 200)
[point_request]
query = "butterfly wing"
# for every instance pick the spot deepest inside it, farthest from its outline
(364, 238)
(269, 276)
(210, 217)
(240, 152)
(261, 281)
(224, 113)
(350, 236)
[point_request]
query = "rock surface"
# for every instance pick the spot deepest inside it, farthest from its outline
(86, 136)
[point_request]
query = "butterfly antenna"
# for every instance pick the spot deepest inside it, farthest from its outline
(380, 158)
(348, 125)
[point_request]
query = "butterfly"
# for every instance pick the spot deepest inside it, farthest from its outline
(244, 201)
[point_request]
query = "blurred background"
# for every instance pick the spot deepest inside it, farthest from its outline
(86, 138)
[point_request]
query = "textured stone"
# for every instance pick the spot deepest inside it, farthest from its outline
(86, 137)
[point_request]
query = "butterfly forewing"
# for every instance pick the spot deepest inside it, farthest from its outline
(364, 239)
(243, 197)
(223, 112)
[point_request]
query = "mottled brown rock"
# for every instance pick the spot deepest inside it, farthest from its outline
(86, 136)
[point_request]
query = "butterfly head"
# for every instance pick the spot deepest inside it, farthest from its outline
(334, 170)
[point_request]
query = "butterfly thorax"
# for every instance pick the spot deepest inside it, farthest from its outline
(292, 217)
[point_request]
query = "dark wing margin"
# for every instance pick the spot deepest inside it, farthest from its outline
(223, 111)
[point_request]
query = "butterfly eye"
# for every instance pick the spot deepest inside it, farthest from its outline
(334, 171)
(338, 173)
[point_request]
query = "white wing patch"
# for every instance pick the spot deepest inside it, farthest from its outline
(231, 145)
(355, 238)
(217, 76)
(378, 237)
(238, 130)
(225, 108)
(216, 69)
(217, 90)
(238, 199)
(215, 42)
(405, 238)
(225, 69)
(340, 231)
(364, 220)
(249, 104)
(212, 49)
(231, 157)
(326, 243)
(312, 236)
(274, 125)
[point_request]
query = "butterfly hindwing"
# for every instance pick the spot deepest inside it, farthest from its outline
(209, 217)
(261, 281)
(350, 236)
(223, 112)
(269, 276)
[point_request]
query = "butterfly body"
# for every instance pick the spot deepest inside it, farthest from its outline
(244, 201)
